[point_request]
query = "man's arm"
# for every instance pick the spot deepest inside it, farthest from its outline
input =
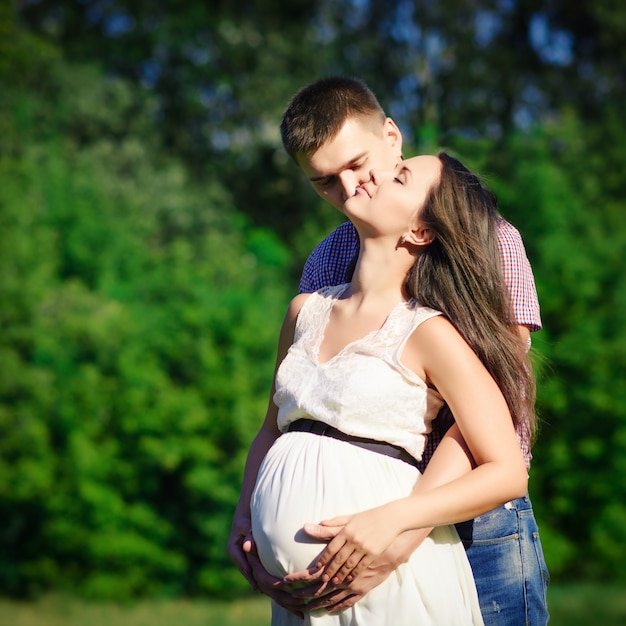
(518, 276)
(330, 259)
(241, 548)
(519, 279)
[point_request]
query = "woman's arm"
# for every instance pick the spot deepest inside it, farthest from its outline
(451, 460)
(440, 355)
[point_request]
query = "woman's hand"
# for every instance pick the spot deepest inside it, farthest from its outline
(363, 538)
(333, 598)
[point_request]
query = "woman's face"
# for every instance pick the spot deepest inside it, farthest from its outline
(390, 200)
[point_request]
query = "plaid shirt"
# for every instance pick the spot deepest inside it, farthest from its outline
(329, 261)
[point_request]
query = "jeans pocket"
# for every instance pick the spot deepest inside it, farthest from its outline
(498, 525)
(545, 574)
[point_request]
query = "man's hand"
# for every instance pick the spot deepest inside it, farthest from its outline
(240, 544)
(242, 551)
(335, 598)
(273, 587)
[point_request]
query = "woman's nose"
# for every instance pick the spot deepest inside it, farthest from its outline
(377, 176)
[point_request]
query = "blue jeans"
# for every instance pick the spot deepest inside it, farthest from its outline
(505, 553)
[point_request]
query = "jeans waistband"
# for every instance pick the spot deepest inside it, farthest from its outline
(381, 447)
(519, 504)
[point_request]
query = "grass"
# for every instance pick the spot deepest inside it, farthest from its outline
(570, 605)
(58, 610)
(587, 605)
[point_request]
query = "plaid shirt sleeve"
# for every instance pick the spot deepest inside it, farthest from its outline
(330, 259)
(518, 276)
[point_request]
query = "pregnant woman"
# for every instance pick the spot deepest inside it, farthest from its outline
(362, 371)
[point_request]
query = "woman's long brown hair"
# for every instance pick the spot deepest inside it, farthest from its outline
(460, 275)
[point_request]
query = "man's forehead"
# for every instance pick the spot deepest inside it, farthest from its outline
(356, 129)
(353, 143)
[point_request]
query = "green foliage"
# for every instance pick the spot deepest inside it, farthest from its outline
(140, 317)
(145, 202)
(560, 184)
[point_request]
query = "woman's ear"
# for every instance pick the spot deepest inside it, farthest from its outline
(419, 236)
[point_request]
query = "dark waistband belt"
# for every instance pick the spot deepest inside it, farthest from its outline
(382, 447)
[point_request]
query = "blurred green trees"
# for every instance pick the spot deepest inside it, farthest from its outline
(152, 232)
(561, 185)
(140, 313)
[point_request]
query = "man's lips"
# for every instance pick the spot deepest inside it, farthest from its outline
(363, 188)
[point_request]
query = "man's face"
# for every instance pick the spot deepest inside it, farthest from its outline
(345, 162)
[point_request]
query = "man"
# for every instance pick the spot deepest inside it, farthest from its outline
(337, 132)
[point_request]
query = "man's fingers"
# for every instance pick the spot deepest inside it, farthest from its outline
(313, 591)
(346, 603)
(248, 544)
(270, 586)
(310, 575)
(328, 602)
(239, 558)
(247, 573)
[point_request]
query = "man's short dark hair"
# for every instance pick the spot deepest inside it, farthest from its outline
(318, 111)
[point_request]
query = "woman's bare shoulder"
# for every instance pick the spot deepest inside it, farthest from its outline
(296, 305)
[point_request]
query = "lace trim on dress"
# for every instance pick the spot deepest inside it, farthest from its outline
(388, 341)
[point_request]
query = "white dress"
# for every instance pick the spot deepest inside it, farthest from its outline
(365, 391)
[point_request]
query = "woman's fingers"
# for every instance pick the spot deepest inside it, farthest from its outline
(321, 531)
(348, 569)
(342, 563)
(331, 550)
(340, 520)
(347, 573)
(364, 536)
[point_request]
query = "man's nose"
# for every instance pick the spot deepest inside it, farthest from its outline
(349, 182)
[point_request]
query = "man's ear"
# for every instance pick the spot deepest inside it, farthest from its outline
(393, 136)
(419, 236)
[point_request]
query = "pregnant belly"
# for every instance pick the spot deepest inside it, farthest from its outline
(306, 478)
